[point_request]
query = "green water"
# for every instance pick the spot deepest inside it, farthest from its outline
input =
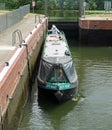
(59, 15)
(93, 111)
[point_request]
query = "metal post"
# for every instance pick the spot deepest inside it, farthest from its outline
(33, 5)
(81, 8)
(84, 4)
(46, 7)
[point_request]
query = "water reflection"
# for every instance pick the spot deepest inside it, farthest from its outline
(44, 114)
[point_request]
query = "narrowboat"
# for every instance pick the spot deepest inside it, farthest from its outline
(57, 75)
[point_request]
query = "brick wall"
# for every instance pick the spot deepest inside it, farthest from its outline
(95, 24)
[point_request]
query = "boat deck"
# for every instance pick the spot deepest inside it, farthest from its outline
(55, 46)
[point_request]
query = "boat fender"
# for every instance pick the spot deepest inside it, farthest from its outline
(60, 37)
(67, 53)
(58, 95)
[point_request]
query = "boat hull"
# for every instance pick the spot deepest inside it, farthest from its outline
(58, 95)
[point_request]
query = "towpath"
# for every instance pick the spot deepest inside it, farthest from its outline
(26, 25)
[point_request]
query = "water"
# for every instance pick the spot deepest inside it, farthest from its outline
(61, 15)
(93, 111)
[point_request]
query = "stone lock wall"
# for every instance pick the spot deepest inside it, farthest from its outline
(14, 75)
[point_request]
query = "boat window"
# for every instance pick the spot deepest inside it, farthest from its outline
(44, 70)
(70, 71)
(58, 75)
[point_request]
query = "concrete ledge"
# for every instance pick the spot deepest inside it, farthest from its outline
(95, 23)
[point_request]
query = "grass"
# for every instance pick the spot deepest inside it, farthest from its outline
(98, 13)
(3, 12)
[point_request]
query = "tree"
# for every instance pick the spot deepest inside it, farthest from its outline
(61, 4)
(94, 5)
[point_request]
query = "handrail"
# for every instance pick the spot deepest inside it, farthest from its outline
(39, 19)
(19, 36)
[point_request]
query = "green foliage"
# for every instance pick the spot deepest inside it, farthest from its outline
(14, 4)
(56, 4)
(40, 4)
(96, 4)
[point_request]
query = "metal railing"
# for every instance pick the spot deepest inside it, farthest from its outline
(14, 37)
(13, 17)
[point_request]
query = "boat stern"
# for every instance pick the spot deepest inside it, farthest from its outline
(63, 91)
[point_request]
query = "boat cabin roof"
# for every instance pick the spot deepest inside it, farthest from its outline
(56, 48)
